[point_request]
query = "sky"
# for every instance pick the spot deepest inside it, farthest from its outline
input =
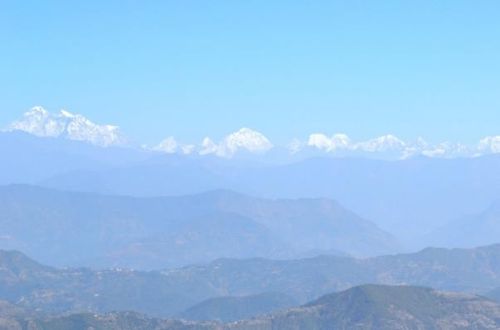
(192, 69)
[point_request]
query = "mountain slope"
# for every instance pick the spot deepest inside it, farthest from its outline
(66, 228)
(29, 159)
(385, 307)
(469, 231)
(393, 194)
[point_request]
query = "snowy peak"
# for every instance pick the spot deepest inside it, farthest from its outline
(391, 147)
(247, 142)
(383, 143)
(490, 144)
(323, 142)
(40, 122)
(244, 139)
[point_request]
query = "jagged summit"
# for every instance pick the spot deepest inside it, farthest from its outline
(40, 122)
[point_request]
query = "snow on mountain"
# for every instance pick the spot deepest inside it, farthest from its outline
(448, 150)
(382, 144)
(243, 139)
(64, 124)
(168, 145)
(323, 142)
(40, 122)
(390, 146)
(489, 144)
(342, 142)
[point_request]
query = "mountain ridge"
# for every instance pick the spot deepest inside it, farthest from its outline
(157, 232)
(168, 292)
(364, 307)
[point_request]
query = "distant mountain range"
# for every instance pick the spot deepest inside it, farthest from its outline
(408, 198)
(395, 195)
(69, 228)
(365, 307)
(39, 122)
(169, 292)
(30, 159)
(64, 124)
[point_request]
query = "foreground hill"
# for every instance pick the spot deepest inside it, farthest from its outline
(385, 307)
(364, 307)
(68, 228)
(170, 292)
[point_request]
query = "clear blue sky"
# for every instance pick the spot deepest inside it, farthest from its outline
(286, 68)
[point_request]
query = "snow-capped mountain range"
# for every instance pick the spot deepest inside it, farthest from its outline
(40, 122)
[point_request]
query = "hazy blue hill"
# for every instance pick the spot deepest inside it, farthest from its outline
(393, 194)
(396, 195)
(228, 309)
(164, 175)
(29, 159)
(471, 270)
(472, 230)
(69, 228)
(309, 224)
(201, 239)
(406, 197)
(17, 264)
(474, 270)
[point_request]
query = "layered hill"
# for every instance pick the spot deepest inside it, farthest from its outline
(69, 228)
(394, 194)
(408, 198)
(170, 292)
(477, 229)
(365, 307)
(385, 307)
